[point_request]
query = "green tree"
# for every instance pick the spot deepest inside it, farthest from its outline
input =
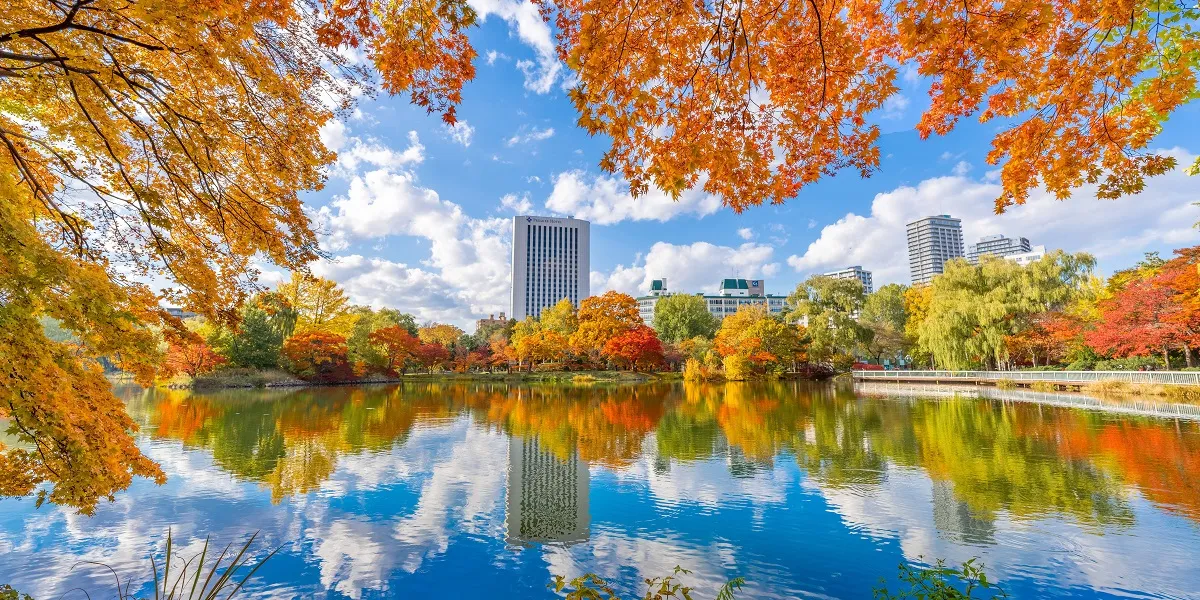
(884, 314)
(681, 317)
(254, 344)
(828, 308)
(368, 321)
(974, 308)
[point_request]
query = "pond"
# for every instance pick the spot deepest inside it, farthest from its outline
(805, 490)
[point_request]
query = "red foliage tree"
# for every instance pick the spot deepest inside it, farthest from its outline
(1139, 320)
(398, 344)
(637, 346)
(318, 356)
(432, 355)
(193, 357)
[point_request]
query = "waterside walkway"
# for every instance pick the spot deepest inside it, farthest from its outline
(1026, 378)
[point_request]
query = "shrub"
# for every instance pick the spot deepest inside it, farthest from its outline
(1006, 384)
(692, 370)
(1182, 393)
(940, 582)
(1043, 386)
(843, 362)
(1083, 364)
(1132, 363)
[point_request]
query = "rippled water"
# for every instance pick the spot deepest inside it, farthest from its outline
(804, 490)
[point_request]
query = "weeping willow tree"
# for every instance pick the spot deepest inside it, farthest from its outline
(973, 308)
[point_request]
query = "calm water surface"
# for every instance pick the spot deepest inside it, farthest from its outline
(805, 490)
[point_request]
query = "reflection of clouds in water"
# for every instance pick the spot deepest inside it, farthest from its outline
(610, 554)
(709, 482)
(460, 468)
(904, 507)
(122, 533)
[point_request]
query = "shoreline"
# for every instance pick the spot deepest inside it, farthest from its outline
(278, 379)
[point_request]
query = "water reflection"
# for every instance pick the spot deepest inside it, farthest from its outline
(802, 489)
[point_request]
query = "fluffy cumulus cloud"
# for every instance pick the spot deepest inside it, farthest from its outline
(467, 271)
(541, 72)
(696, 267)
(746, 233)
(461, 132)
(518, 204)
(606, 200)
(358, 153)
(1115, 232)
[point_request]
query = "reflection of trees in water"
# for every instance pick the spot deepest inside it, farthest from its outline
(985, 456)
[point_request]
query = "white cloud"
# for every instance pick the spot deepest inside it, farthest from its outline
(492, 56)
(1116, 232)
(533, 179)
(689, 268)
(371, 152)
(524, 136)
(540, 74)
(962, 168)
(606, 200)
(517, 204)
(812, 223)
(894, 106)
(746, 233)
(467, 272)
(333, 134)
(461, 132)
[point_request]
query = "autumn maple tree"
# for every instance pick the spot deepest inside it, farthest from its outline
(318, 356)
(192, 357)
(755, 99)
(398, 345)
(639, 346)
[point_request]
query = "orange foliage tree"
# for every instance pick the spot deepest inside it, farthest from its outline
(318, 356)
(602, 318)
(638, 346)
(399, 346)
(755, 99)
(192, 357)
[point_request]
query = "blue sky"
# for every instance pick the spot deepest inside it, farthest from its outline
(417, 217)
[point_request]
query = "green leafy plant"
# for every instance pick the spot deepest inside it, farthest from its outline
(594, 587)
(194, 578)
(941, 582)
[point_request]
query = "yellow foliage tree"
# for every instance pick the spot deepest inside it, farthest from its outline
(601, 318)
(319, 303)
(170, 138)
(440, 333)
(561, 318)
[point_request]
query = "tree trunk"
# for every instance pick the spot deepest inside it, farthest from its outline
(1187, 355)
(1166, 359)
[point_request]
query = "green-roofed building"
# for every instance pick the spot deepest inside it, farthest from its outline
(732, 294)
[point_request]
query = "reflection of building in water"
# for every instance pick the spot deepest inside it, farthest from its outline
(547, 497)
(954, 520)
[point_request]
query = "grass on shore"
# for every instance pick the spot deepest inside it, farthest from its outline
(1175, 393)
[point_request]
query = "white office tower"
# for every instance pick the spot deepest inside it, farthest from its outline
(931, 242)
(997, 245)
(855, 272)
(550, 262)
(547, 495)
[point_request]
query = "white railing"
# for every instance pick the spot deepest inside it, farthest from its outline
(1132, 406)
(1158, 377)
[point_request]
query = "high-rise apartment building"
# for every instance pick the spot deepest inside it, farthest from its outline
(931, 242)
(997, 245)
(550, 261)
(855, 272)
